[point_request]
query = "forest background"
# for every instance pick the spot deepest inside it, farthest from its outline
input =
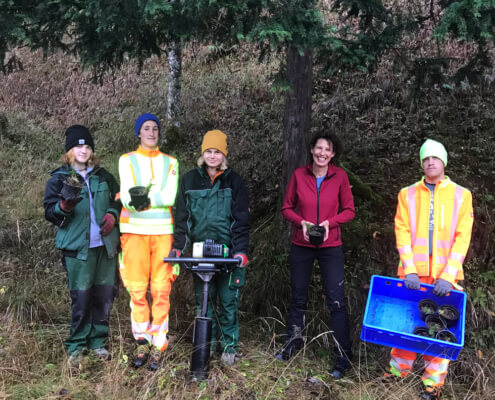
(389, 75)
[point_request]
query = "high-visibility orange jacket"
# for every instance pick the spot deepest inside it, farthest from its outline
(142, 168)
(453, 222)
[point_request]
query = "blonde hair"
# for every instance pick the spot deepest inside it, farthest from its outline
(222, 167)
(70, 158)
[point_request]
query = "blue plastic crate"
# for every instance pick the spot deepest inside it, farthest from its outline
(392, 314)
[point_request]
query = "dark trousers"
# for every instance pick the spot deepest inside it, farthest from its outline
(91, 285)
(331, 262)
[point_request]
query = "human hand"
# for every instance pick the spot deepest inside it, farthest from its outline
(305, 225)
(412, 281)
(442, 287)
(142, 207)
(243, 260)
(175, 271)
(69, 205)
(326, 225)
(174, 253)
(107, 224)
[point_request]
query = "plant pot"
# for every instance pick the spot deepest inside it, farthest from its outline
(70, 190)
(427, 307)
(139, 196)
(316, 234)
(450, 314)
(422, 331)
(435, 323)
(446, 336)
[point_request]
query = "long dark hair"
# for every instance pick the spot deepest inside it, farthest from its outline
(330, 138)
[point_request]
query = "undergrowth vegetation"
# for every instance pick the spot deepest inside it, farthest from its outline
(382, 124)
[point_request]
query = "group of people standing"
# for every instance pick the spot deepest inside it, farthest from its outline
(102, 227)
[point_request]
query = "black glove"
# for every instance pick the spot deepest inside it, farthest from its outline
(442, 287)
(412, 281)
(142, 207)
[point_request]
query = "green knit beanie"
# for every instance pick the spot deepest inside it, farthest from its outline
(432, 148)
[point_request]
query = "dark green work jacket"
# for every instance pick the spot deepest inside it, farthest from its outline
(217, 210)
(74, 226)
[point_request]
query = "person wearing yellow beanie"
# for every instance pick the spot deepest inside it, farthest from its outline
(215, 140)
(213, 204)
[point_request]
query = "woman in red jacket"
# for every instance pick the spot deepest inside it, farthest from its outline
(318, 194)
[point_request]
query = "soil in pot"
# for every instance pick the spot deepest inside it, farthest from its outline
(422, 331)
(435, 323)
(139, 196)
(71, 188)
(446, 336)
(316, 234)
(427, 307)
(449, 313)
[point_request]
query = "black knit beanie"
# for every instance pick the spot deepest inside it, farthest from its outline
(78, 134)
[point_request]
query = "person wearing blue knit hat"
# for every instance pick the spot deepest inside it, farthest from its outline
(147, 229)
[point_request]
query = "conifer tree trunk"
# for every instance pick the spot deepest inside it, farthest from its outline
(297, 114)
(174, 84)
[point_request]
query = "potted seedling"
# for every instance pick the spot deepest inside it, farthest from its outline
(449, 313)
(139, 197)
(71, 187)
(435, 323)
(446, 336)
(427, 307)
(422, 331)
(316, 234)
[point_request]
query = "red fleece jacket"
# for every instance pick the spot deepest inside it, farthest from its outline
(302, 201)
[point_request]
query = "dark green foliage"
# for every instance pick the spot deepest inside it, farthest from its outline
(468, 20)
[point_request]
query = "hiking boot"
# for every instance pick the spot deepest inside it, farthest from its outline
(155, 357)
(389, 378)
(293, 344)
(431, 393)
(228, 359)
(75, 359)
(102, 354)
(340, 369)
(141, 355)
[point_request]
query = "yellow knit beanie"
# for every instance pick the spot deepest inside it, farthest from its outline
(214, 140)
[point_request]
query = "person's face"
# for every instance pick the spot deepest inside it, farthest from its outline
(149, 135)
(322, 153)
(82, 152)
(213, 158)
(434, 169)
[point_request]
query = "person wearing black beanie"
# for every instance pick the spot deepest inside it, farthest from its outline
(89, 239)
(76, 135)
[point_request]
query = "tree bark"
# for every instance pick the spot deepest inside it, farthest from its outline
(297, 113)
(174, 84)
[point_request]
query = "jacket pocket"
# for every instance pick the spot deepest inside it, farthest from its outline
(237, 278)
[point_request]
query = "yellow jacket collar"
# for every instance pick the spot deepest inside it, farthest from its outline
(148, 153)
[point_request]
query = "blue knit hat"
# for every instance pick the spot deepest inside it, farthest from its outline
(142, 119)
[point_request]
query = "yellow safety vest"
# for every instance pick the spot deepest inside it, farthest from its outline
(453, 222)
(141, 168)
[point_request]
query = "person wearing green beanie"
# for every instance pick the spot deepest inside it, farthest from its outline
(433, 227)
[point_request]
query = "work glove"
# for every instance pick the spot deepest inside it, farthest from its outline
(107, 224)
(174, 253)
(442, 287)
(175, 272)
(243, 260)
(142, 207)
(69, 205)
(412, 281)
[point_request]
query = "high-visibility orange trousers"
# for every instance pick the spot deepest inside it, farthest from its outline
(141, 265)
(436, 368)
